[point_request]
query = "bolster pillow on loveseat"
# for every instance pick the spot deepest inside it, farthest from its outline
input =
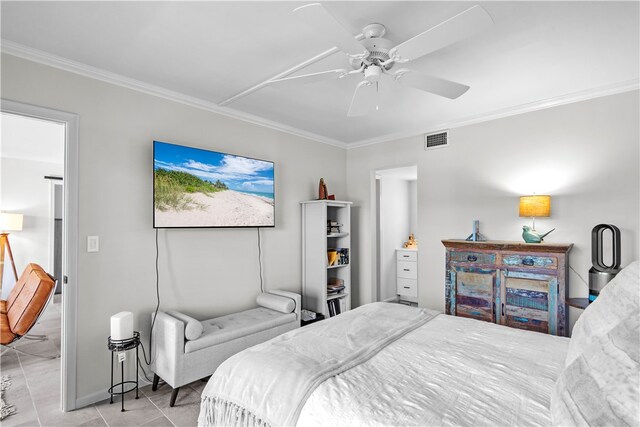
(276, 302)
(192, 327)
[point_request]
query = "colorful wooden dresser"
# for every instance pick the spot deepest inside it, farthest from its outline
(522, 285)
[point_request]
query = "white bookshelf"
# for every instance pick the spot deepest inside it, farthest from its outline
(316, 271)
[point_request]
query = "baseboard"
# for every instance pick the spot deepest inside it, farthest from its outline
(91, 399)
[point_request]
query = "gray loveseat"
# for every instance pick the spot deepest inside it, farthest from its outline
(185, 349)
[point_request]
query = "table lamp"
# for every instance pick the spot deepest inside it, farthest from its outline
(535, 206)
(8, 222)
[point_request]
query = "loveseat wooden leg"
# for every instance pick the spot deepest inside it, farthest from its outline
(174, 394)
(156, 378)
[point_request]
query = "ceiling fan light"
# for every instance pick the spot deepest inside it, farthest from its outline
(372, 73)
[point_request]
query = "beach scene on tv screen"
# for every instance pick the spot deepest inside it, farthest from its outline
(200, 188)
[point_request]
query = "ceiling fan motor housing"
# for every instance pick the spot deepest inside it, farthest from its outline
(378, 51)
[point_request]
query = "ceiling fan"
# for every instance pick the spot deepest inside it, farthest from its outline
(374, 56)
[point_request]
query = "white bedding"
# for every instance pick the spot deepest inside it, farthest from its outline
(449, 371)
(268, 384)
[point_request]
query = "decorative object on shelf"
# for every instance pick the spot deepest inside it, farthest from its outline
(332, 256)
(8, 222)
(120, 347)
(322, 190)
(412, 243)
(600, 273)
(475, 235)
(335, 285)
(532, 236)
(343, 256)
(535, 206)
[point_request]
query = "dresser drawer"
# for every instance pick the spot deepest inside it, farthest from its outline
(407, 256)
(407, 270)
(530, 261)
(473, 257)
(407, 287)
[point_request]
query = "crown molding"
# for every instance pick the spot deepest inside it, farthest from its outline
(45, 58)
(59, 62)
(584, 95)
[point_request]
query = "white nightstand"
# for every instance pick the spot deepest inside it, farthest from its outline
(407, 273)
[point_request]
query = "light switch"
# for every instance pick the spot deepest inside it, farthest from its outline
(93, 243)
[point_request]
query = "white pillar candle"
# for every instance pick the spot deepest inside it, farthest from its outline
(122, 325)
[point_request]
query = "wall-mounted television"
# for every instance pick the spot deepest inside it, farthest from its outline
(193, 187)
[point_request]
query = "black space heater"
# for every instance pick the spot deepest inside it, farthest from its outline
(601, 274)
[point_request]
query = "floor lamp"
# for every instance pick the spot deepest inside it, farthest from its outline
(8, 222)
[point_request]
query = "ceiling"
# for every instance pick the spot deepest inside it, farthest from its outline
(535, 55)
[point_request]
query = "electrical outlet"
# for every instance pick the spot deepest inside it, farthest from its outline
(93, 243)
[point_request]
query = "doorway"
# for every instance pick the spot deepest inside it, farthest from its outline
(396, 220)
(39, 180)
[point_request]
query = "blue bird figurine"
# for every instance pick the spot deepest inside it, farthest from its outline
(532, 236)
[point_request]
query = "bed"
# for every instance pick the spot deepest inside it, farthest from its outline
(389, 364)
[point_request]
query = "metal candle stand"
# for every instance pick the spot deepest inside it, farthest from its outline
(116, 346)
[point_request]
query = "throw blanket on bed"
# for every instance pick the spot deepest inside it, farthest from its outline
(318, 352)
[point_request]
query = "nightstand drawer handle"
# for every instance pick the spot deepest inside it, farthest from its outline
(405, 256)
(406, 269)
(407, 287)
(528, 261)
(472, 258)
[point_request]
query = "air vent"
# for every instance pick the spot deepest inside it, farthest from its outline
(435, 140)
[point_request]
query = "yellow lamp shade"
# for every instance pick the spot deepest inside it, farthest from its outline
(535, 206)
(10, 222)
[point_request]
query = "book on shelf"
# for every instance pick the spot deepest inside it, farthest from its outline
(343, 304)
(332, 310)
(333, 227)
(335, 307)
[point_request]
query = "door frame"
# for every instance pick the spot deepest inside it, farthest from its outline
(70, 233)
(373, 226)
(53, 183)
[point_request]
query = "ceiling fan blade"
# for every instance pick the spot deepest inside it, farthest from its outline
(453, 30)
(316, 16)
(310, 78)
(365, 99)
(442, 87)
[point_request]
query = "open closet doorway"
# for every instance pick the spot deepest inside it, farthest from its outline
(38, 185)
(396, 220)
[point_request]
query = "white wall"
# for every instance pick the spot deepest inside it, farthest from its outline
(205, 272)
(395, 223)
(586, 155)
(24, 190)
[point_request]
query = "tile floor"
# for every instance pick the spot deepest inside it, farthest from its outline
(35, 391)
